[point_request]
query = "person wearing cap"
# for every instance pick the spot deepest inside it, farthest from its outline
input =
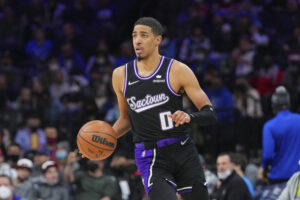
(281, 139)
(49, 186)
(23, 183)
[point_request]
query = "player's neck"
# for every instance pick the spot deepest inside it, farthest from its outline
(150, 63)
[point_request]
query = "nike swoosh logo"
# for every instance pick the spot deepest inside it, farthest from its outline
(184, 141)
(131, 83)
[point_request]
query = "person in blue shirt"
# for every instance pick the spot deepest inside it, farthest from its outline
(281, 139)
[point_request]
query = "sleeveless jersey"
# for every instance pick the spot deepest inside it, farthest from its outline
(150, 100)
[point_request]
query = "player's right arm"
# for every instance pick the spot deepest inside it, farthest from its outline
(122, 125)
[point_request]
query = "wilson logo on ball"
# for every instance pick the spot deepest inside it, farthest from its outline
(101, 140)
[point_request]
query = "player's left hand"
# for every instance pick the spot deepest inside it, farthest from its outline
(180, 117)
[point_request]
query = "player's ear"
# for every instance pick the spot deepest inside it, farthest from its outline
(158, 40)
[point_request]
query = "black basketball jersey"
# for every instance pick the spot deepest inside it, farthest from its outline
(150, 100)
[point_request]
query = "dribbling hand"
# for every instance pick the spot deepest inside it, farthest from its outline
(180, 117)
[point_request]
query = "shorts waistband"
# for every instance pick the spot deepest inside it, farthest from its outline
(160, 143)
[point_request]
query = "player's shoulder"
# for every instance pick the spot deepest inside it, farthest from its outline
(119, 72)
(179, 67)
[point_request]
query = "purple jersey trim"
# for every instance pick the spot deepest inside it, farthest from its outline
(151, 75)
(125, 80)
(167, 78)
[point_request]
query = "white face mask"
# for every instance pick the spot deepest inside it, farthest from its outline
(224, 175)
(5, 192)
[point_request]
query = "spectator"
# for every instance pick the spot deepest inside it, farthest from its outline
(190, 45)
(281, 150)
(219, 95)
(247, 99)
(39, 49)
(70, 59)
(6, 189)
(5, 169)
(59, 85)
(13, 153)
(39, 158)
(129, 181)
(239, 162)
(244, 65)
(87, 180)
(32, 136)
(211, 178)
(49, 187)
(291, 191)
(23, 183)
(268, 77)
(231, 185)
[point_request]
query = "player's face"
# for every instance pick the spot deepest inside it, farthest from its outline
(144, 41)
(224, 163)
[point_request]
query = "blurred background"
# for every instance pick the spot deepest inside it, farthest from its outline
(56, 62)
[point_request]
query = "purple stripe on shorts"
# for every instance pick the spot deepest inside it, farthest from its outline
(167, 78)
(151, 75)
(145, 159)
(125, 80)
(184, 191)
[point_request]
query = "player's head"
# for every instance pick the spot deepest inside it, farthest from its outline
(280, 99)
(146, 36)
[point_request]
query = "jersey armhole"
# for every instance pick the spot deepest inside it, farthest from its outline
(125, 80)
(168, 79)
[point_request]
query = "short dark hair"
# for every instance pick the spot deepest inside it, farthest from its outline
(153, 23)
(239, 159)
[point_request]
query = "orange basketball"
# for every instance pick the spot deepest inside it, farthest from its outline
(96, 140)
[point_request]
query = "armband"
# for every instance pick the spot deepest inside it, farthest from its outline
(205, 117)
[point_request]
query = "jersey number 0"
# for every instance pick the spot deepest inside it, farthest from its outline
(166, 122)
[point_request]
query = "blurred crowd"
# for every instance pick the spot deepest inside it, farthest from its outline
(56, 61)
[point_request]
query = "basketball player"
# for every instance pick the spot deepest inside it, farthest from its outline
(149, 91)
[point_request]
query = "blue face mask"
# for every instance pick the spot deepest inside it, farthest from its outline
(60, 155)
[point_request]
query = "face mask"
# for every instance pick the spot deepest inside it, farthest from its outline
(13, 158)
(33, 129)
(92, 167)
(5, 192)
(51, 140)
(224, 175)
(61, 154)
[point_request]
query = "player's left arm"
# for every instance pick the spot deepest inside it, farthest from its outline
(181, 76)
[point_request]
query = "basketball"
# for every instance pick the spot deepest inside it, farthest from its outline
(96, 140)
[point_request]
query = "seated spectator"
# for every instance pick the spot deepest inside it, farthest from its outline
(23, 184)
(239, 162)
(268, 77)
(13, 154)
(124, 169)
(87, 180)
(247, 99)
(32, 136)
(292, 189)
(5, 168)
(39, 158)
(39, 49)
(230, 186)
(211, 178)
(49, 187)
(7, 189)
(219, 95)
